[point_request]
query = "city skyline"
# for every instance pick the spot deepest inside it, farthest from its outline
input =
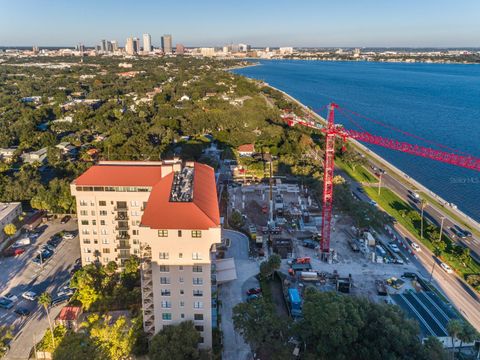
(370, 23)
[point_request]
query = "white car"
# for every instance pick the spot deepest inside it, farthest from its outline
(447, 268)
(373, 202)
(394, 248)
(416, 247)
(29, 295)
(68, 236)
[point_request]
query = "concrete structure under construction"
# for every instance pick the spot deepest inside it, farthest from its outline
(167, 214)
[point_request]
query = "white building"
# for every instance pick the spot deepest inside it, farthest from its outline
(147, 43)
(286, 50)
(9, 212)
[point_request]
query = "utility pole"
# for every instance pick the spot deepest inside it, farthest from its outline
(441, 229)
(380, 183)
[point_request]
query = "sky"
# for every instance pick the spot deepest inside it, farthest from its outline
(298, 23)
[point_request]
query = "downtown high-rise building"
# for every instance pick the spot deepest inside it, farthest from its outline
(103, 46)
(129, 46)
(180, 49)
(147, 43)
(167, 44)
(136, 45)
(166, 213)
(114, 45)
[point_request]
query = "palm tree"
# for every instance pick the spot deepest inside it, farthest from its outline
(454, 328)
(45, 299)
(437, 252)
(423, 204)
(468, 334)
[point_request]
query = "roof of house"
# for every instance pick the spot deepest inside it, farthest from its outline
(200, 213)
(246, 148)
(120, 175)
(69, 313)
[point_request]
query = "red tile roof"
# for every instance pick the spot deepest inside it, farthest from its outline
(69, 313)
(246, 148)
(201, 213)
(120, 175)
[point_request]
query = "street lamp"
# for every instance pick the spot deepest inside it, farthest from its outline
(441, 228)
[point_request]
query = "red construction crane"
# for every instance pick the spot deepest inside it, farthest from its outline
(332, 131)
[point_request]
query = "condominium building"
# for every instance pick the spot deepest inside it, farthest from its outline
(129, 49)
(167, 214)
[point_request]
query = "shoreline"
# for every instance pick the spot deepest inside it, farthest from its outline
(405, 177)
(242, 66)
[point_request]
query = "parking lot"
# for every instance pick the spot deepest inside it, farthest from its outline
(20, 274)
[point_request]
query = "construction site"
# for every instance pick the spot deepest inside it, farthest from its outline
(327, 252)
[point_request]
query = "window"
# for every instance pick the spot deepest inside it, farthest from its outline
(104, 241)
(86, 241)
(196, 256)
(84, 212)
(162, 233)
(164, 280)
(104, 232)
(85, 232)
(165, 292)
(166, 316)
(94, 222)
(180, 279)
(182, 316)
(196, 233)
(163, 255)
(135, 232)
(135, 241)
(105, 260)
(103, 213)
(166, 304)
(136, 251)
(197, 281)
(92, 212)
(198, 305)
(182, 292)
(102, 203)
(179, 233)
(134, 203)
(87, 259)
(180, 268)
(197, 292)
(106, 251)
(201, 340)
(182, 303)
(199, 327)
(180, 255)
(198, 317)
(135, 213)
(87, 250)
(83, 203)
(94, 231)
(84, 222)
(164, 268)
(197, 268)
(102, 222)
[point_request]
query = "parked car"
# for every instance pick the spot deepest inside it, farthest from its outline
(59, 300)
(416, 247)
(253, 291)
(65, 219)
(21, 242)
(44, 255)
(309, 244)
(5, 303)
(394, 247)
(11, 297)
(14, 252)
(49, 248)
(68, 236)
(29, 295)
(65, 291)
(22, 311)
(447, 268)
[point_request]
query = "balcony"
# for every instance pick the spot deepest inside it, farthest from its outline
(122, 227)
(121, 217)
(120, 208)
(123, 237)
(124, 255)
(123, 245)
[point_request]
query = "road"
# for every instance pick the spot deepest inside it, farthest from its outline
(464, 298)
(20, 274)
(233, 292)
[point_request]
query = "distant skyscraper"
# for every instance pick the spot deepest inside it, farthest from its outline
(136, 45)
(147, 43)
(114, 45)
(103, 46)
(180, 49)
(167, 44)
(81, 47)
(129, 49)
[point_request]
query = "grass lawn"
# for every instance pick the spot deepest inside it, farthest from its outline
(360, 174)
(392, 204)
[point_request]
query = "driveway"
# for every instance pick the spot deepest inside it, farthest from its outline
(232, 293)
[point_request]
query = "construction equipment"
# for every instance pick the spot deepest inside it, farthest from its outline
(332, 131)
